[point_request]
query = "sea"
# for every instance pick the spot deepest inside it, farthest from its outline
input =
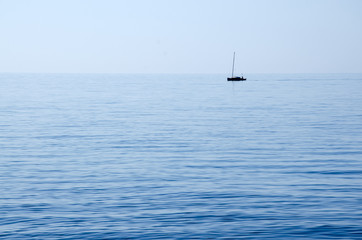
(180, 156)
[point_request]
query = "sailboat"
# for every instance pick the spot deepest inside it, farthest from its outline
(235, 78)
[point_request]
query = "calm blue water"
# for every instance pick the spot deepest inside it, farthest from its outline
(107, 156)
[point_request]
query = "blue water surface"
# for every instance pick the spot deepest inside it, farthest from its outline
(121, 156)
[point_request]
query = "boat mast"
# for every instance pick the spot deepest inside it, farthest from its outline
(232, 72)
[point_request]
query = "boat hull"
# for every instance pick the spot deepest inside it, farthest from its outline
(236, 79)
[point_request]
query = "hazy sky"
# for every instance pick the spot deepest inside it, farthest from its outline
(181, 36)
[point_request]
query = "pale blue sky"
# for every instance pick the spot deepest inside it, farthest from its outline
(181, 36)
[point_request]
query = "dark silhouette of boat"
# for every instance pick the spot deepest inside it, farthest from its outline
(235, 78)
